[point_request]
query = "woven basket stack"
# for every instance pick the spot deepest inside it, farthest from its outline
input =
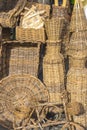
(77, 74)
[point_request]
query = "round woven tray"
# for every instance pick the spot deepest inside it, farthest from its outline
(19, 91)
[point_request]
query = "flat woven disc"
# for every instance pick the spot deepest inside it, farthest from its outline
(20, 91)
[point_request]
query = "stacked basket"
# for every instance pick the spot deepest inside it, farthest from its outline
(77, 75)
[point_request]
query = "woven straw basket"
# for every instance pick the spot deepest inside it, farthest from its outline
(54, 28)
(20, 59)
(78, 19)
(53, 73)
(9, 19)
(30, 35)
(19, 92)
(77, 85)
(78, 44)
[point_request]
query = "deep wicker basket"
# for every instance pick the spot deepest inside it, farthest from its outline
(54, 28)
(30, 35)
(19, 58)
(19, 92)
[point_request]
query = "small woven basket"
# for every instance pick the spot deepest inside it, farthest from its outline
(54, 28)
(30, 35)
(20, 59)
(78, 45)
(7, 20)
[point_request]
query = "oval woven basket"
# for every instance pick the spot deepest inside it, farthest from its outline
(20, 91)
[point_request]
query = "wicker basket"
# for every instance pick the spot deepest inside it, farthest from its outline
(30, 35)
(40, 7)
(77, 86)
(54, 28)
(9, 19)
(78, 19)
(19, 92)
(53, 72)
(20, 59)
(78, 45)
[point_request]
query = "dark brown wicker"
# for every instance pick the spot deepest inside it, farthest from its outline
(19, 58)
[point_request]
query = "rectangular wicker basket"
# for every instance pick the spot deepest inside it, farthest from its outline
(30, 35)
(19, 58)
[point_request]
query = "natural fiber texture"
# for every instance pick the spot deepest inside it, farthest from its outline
(19, 94)
(59, 11)
(78, 44)
(75, 108)
(78, 20)
(20, 59)
(40, 7)
(53, 72)
(77, 85)
(54, 28)
(9, 19)
(30, 35)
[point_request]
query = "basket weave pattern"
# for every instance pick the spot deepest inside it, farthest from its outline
(30, 35)
(20, 59)
(53, 73)
(54, 28)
